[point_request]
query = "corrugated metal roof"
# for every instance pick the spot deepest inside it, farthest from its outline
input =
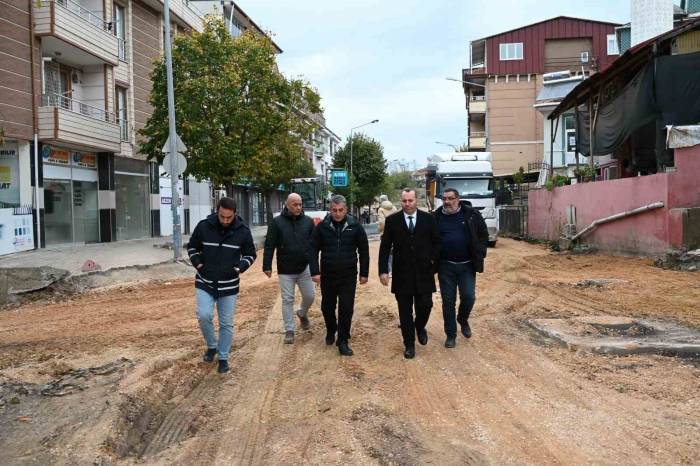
(556, 91)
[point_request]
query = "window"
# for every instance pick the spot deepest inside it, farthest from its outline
(511, 51)
(122, 119)
(569, 133)
(120, 30)
(612, 45)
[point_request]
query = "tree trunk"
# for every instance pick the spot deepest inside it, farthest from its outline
(229, 189)
(268, 206)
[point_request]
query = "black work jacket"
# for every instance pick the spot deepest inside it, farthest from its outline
(415, 255)
(477, 232)
(291, 237)
(339, 248)
(221, 251)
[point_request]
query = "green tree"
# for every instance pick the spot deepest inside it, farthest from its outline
(368, 168)
(241, 120)
(396, 181)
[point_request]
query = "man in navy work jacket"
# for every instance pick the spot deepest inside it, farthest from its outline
(464, 242)
(413, 236)
(220, 248)
(340, 238)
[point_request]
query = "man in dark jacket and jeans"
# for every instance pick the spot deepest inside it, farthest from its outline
(340, 238)
(464, 242)
(220, 248)
(290, 234)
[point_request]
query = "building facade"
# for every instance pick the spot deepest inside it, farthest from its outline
(506, 73)
(75, 85)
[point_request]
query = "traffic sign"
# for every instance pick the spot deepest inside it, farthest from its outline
(339, 178)
(180, 164)
(180, 146)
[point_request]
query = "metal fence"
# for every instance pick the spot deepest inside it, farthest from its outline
(512, 221)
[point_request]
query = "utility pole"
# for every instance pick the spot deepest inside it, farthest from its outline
(177, 233)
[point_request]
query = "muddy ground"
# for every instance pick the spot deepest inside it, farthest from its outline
(113, 376)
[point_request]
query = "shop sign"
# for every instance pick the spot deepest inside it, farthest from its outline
(84, 159)
(66, 157)
(16, 230)
(9, 174)
(57, 156)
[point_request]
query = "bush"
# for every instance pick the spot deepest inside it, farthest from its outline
(556, 181)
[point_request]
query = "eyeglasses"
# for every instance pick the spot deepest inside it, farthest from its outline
(449, 198)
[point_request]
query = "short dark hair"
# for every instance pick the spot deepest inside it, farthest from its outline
(226, 203)
(409, 190)
(451, 190)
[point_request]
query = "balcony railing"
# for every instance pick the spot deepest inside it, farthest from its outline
(75, 106)
(477, 134)
(122, 49)
(124, 130)
(85, 14)
(478, 98)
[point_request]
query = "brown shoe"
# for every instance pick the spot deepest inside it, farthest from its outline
(304, 319)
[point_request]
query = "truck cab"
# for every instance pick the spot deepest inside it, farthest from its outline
(471, 174)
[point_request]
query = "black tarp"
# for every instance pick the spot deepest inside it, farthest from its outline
(666, 90)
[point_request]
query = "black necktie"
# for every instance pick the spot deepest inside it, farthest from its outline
(411, 227)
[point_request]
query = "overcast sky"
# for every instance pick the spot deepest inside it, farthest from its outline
(388, 59)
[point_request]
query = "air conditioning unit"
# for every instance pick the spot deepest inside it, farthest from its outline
(584, 57)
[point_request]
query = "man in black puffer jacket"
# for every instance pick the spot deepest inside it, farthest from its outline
(290, 234)
(340, 238)
(220, 248)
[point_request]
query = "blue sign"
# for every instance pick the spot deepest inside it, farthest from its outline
(339, 178)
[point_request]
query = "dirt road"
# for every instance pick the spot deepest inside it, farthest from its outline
(113, 377)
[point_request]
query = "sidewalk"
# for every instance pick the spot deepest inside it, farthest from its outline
(130, 253)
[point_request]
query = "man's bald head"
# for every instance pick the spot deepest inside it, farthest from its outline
(294, 204)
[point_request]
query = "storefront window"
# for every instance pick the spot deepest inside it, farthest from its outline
(70, 196)
(133, 209)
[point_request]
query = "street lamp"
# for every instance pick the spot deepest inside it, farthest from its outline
(454, 146)
(466, 82)
(351, 131)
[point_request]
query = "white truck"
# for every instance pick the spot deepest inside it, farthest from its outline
(471, 174)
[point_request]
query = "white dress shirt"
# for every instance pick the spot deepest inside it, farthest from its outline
(415, 217)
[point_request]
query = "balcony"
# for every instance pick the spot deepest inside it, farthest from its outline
(477, 104)
(477, 140)
(73, 31)
(70, 122)
(188, 13)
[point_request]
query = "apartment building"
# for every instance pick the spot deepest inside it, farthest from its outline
(505, 76)
(74, 89)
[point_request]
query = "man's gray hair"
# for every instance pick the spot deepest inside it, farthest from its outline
(338, 199)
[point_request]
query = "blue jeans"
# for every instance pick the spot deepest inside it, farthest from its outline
(226, 306)
(453, 276)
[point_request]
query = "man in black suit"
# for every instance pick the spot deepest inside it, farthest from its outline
(414, 238)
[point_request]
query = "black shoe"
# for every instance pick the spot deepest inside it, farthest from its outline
(422, 336)
(223, 366)
(450, 342)
(466, 330)
(330, 338)
(409, 353)
(344, 350)
(209, 355)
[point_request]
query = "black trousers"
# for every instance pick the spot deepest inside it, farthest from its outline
(423, 305)
(338, 290)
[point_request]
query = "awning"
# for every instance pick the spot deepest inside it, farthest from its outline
(683, 136)
(557, 91)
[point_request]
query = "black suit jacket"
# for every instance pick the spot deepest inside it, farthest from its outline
(415, 256)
